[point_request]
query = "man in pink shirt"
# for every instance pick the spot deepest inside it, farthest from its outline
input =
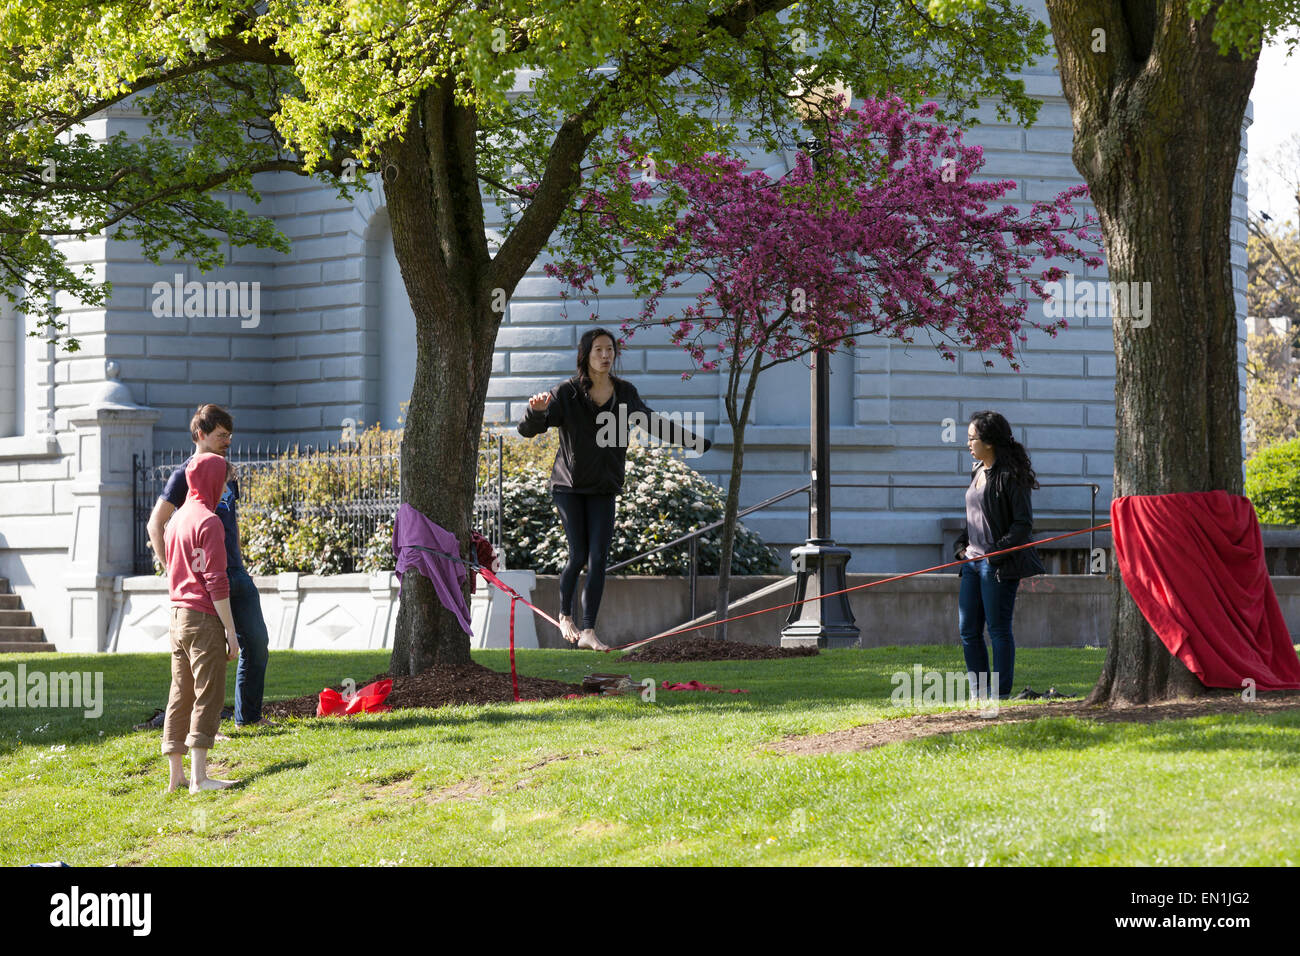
(202, 629)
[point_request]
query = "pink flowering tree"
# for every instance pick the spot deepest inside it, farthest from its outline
(885, 232)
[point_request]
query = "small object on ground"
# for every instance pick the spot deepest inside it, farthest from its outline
(468, 683)
(1054, 694)
(154, 722)
(697, 685)
(367, 700)
(669, 651)
(608, 683)
(1027, 694)
(56, 863)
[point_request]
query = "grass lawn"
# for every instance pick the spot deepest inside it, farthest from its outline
(622, 781)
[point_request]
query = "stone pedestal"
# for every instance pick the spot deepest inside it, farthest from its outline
(495, 627)
(110, 429)
(820, 567)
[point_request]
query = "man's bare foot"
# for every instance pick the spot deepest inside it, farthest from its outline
(207, 783)
(568, 629)
(590, 642)
(175, 772)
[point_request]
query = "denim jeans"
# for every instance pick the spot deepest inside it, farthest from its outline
(250, 629)
(985, 600)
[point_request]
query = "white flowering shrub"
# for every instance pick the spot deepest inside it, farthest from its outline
(663, 498)
(378, 552)
(274, 541)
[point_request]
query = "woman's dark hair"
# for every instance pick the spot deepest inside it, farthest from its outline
(992, 429)
(585, 345)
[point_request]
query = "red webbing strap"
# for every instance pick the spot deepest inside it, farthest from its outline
(514, 677)
(515, 596)
(856, 587)
(494, 580)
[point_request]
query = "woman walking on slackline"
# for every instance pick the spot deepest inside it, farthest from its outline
(592, 410)
(998, 515)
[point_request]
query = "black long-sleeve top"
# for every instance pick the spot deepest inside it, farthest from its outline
(1010, 516)
(592, 457)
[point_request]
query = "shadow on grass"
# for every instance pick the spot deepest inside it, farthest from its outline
(246, 779)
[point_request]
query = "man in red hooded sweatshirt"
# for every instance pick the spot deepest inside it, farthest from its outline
(202, 629)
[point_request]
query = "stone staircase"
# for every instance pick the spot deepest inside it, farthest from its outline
(18, 633)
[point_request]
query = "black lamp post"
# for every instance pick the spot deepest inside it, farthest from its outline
(819, 564)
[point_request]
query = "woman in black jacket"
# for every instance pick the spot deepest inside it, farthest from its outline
(593, 411)
(998, 516)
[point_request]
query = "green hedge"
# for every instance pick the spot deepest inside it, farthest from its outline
(1273, 483)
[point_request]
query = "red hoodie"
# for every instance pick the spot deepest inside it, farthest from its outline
(195, 539)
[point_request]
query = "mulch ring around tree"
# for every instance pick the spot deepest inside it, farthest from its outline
(708, 649)
(884, 732)
(469, 684)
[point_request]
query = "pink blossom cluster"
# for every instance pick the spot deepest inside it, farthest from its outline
(884, 232)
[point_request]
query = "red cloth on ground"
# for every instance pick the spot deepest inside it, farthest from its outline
(368, 700)
(696, 685)
(1194, 563)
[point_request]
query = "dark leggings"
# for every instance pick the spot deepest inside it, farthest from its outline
(589, 525)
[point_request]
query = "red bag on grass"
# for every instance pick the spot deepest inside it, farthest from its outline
(368, 700)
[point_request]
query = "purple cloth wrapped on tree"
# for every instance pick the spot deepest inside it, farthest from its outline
(413, 529)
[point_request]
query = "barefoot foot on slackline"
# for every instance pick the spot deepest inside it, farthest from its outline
(569, 629)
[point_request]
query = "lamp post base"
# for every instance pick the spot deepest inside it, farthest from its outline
(827, 623)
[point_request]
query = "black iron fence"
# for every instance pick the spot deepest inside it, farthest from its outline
(354, 484)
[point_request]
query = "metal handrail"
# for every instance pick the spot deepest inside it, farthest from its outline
(692, 538)
(1092, 505)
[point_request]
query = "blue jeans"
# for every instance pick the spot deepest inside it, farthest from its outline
(983, 599)
(250, 629)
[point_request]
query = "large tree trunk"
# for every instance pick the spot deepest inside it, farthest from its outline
(1157, 135)
(458, 292)
(439, 458)
(439, 243)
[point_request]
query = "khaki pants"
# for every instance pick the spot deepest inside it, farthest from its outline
(198, 681)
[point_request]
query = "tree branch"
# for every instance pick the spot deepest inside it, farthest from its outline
(201, 186)
(560, 179)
